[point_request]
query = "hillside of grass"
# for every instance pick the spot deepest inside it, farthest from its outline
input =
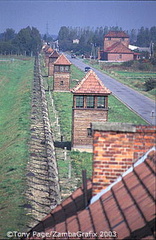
(15, 98)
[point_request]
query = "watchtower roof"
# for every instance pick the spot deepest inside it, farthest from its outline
(62, 60)
(49, 50)
(91, 84)
(54, 54)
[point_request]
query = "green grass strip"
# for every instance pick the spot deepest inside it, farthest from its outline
(15, 98)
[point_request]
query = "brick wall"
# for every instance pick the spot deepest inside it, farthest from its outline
(115, 147)
(61, 82)
(50, 69)
(82, 119)
(51, 65)
(120, 57)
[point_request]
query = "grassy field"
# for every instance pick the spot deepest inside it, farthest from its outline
(133, 76)
(15, 96)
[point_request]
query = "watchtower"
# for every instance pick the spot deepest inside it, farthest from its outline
(61, 74)
(52, 58)
(47, 53)
(90, 104)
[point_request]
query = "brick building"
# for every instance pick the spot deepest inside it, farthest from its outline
(116, 48)
(90, 103)
(52, 58)
(61, 74)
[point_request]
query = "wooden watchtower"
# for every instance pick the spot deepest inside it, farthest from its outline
(52, 58)
(61, 74)
(90, 104)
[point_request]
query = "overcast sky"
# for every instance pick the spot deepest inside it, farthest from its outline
(126, 14)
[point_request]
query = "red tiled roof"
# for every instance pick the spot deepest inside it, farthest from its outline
(117, 34)
(126, 209)
(91, 84)
(62, 60)
(49, 50)
(118, 47)
(54, 54)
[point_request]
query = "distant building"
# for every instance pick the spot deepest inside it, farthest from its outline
(76, 41)
(90, 103)
(116, 48)
(61, 74)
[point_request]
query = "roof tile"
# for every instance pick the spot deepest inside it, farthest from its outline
(96, 209)
(85, 221)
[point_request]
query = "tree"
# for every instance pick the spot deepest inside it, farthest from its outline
(28, 41)
(36, 43)
(9, 34)
(63, 34)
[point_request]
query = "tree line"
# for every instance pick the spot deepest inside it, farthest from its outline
(90, 38)
(26, 42)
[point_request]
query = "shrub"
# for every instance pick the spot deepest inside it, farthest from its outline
(128, 63)
(153, 60)
(144, 66)
(150, 84)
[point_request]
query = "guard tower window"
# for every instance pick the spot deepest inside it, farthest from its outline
(79, 101)
(61, 68)
(56, 68)
(100, 102)
(66, 68)
(90, 102)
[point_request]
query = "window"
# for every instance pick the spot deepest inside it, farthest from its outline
(109, 38)
(61, 68)
(120, 56)
(89, 132)
(56, 68)
(90, 102)
(100, 102)
(79, 101)
(66, 68)
(61, 83)
(123, 38)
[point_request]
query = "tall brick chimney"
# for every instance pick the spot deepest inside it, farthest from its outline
(116, 146)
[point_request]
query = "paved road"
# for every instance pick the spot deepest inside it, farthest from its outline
(142, 105)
